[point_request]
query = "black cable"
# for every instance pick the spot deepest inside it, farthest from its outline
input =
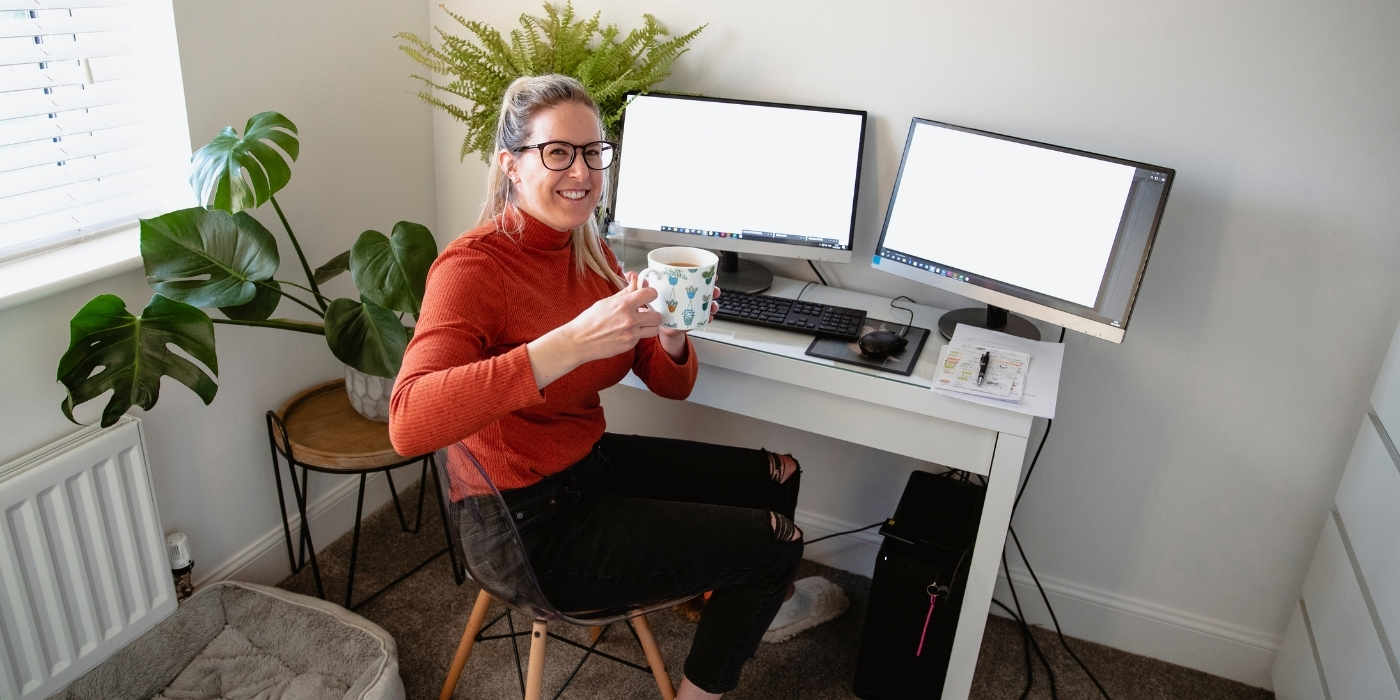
(1026, 628)
(905, 330)
(804, 288)
(1053, 619)
(1025, 648)
(956, 567)
(838, 534)
(819, 273)
(1031, 469)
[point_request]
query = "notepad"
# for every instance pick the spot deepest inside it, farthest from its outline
(1040, 375)
(958, 366)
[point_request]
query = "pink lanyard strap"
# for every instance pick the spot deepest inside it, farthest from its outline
(932, 601)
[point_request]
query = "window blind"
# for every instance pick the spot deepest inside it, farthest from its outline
(92, 125)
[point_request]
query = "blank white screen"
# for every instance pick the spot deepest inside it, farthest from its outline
(718, 166)
(1032, 217)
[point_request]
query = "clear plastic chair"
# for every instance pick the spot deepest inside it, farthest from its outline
(495, 557)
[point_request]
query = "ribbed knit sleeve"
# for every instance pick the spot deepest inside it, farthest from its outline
(449, 388)
(664, 376)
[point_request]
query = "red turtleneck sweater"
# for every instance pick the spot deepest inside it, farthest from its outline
(466, 375)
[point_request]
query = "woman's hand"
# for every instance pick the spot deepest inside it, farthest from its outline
(609, 327)
(672, 340)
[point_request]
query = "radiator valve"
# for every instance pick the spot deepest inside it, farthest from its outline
(177, 547)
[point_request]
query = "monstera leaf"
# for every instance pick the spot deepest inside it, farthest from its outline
(366, 336)
(261, 307)
(207, 258)
(218, 169)
(393, 271)
(332, 268)
(111, 350)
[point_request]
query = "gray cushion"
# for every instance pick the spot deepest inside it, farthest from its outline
(287, 646)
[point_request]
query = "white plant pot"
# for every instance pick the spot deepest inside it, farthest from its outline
(369, 395)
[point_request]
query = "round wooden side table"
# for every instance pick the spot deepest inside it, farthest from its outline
(318, 430)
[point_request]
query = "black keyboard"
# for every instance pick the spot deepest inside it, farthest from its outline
(776, 312)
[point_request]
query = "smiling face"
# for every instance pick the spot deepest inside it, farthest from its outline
(560, 199)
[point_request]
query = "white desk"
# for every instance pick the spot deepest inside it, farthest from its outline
(763, 373)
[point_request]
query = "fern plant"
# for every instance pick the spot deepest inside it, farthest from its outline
(607, 63)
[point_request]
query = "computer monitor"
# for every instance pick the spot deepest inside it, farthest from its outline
(1052, 233)
(736, 176)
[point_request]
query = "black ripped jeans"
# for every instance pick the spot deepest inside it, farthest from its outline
(644, 519)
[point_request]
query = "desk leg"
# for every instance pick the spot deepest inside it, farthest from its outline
(1010, 454)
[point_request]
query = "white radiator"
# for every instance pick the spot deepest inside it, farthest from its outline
(82, 558)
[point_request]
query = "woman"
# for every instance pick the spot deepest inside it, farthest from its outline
(526, 318)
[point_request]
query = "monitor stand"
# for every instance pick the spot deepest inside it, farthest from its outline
(992, 318)
(742, 275)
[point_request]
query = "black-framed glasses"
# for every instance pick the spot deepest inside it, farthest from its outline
(560, 155)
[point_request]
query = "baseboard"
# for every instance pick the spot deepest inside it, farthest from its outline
(332, 515)
(1144, 628)
(1135, 626)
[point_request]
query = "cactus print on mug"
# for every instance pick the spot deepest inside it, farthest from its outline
(684, 291)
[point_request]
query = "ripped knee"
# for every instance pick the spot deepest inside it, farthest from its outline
(783, 529)
(782, 467)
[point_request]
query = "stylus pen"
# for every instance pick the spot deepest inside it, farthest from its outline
(982, 373)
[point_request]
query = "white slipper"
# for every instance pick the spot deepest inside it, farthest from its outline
(817, 600)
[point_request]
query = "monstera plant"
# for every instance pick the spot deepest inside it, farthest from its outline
(217, 256)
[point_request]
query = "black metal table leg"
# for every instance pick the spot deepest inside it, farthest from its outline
(422, 491)
(393, 491)
(305, 540)
(355, 541)
(459, 573)
(300, 491)
(281, 497)
(306, 494)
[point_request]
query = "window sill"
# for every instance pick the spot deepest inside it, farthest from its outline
(38, 276)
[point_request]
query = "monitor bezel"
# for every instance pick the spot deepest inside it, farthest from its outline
(1063, 313)
(786, 250)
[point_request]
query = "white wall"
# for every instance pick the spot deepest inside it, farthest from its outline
(1182, 486)
(365, 162)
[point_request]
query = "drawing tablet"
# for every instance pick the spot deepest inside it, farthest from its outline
(901, 362)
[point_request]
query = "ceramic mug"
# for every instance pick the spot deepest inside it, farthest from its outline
(684, 279)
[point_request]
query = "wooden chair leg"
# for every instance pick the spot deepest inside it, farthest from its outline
(464, 648)
(654, 660)
(534, 675)
(593, 633)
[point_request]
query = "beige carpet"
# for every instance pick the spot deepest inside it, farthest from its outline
(426, 614)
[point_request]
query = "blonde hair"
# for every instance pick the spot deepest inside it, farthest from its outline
(524, 100)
